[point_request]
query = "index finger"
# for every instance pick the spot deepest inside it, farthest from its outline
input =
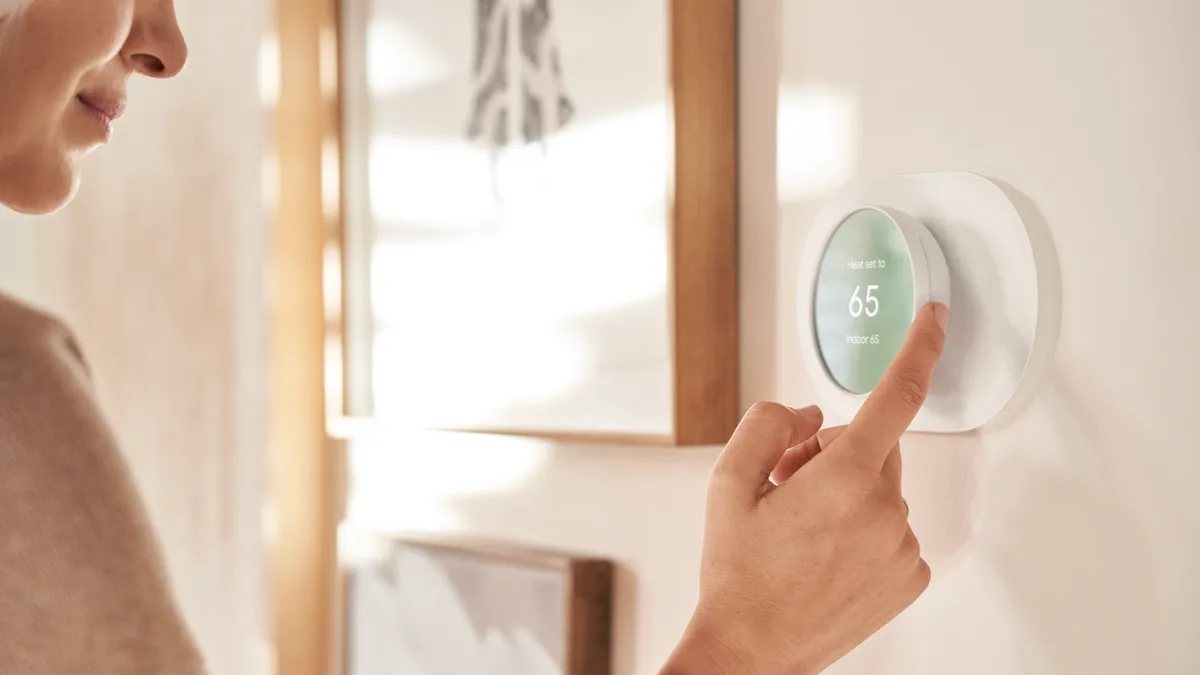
(896, 400)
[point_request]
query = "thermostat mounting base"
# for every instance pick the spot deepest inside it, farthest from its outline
(1003, 279)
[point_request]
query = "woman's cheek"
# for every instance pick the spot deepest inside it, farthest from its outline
(92, 31)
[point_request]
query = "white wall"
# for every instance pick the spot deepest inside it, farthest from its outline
(18, 275)
(1065, 542)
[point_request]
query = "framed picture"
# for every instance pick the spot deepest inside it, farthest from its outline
(538, 209)
(426, 607)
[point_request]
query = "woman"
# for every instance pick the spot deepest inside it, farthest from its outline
(83, 587)
(807, 549)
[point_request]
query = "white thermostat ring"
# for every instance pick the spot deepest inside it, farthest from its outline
(929, 280)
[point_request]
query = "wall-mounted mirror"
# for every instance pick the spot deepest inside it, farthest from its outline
(538, 212)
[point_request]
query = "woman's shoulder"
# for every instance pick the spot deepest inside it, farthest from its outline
(30, 333)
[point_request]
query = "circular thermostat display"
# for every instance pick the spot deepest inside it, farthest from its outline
(864, 299)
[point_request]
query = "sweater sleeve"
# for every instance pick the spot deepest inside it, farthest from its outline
(83, 583)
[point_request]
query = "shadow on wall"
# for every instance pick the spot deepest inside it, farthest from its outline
(1092, 560)
(1074, 543)
(1052, 535)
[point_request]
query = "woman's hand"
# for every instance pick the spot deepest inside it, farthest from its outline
(807, 546)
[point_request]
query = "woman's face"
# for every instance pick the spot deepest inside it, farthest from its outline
(64, 65)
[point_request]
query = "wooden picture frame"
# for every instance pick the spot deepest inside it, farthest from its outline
(701, 303)
(492, 603)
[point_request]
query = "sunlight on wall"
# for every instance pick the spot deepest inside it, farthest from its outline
(331, 281)
(413, 386)
(398, 59)
(270, 182)
(549, 286)
(268, 70)
(550, 207)
(434, 182)
(334, 378)
(448, 184)
(818, 140)
(330, 176)
(407, 481)
(502, 260)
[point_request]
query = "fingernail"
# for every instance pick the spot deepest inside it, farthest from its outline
(941, 315)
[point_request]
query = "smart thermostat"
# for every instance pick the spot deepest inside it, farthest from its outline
(878, 267)
(881, 250)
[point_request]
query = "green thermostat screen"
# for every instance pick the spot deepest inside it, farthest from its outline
(863, 302)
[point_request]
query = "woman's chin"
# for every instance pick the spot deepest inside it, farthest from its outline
(39, 193)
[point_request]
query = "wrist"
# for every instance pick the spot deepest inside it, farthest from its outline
(707, 650)
(697, 656)
(715, 645)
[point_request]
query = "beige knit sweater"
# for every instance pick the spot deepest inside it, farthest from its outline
(83, 588)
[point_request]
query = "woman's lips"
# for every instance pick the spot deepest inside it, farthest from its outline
(104, 109)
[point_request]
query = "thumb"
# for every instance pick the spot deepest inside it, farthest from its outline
(758, 443)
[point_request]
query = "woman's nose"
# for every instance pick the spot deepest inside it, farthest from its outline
(156, 47)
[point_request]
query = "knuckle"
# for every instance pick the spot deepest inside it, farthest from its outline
(767, 410)
(771, 420)
(720, 480)
(922, 577)
(911, 388)
(898, 516)
(910, 548)
(892, 520)
(930, 342)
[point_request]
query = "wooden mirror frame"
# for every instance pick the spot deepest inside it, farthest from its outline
(703, 269)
